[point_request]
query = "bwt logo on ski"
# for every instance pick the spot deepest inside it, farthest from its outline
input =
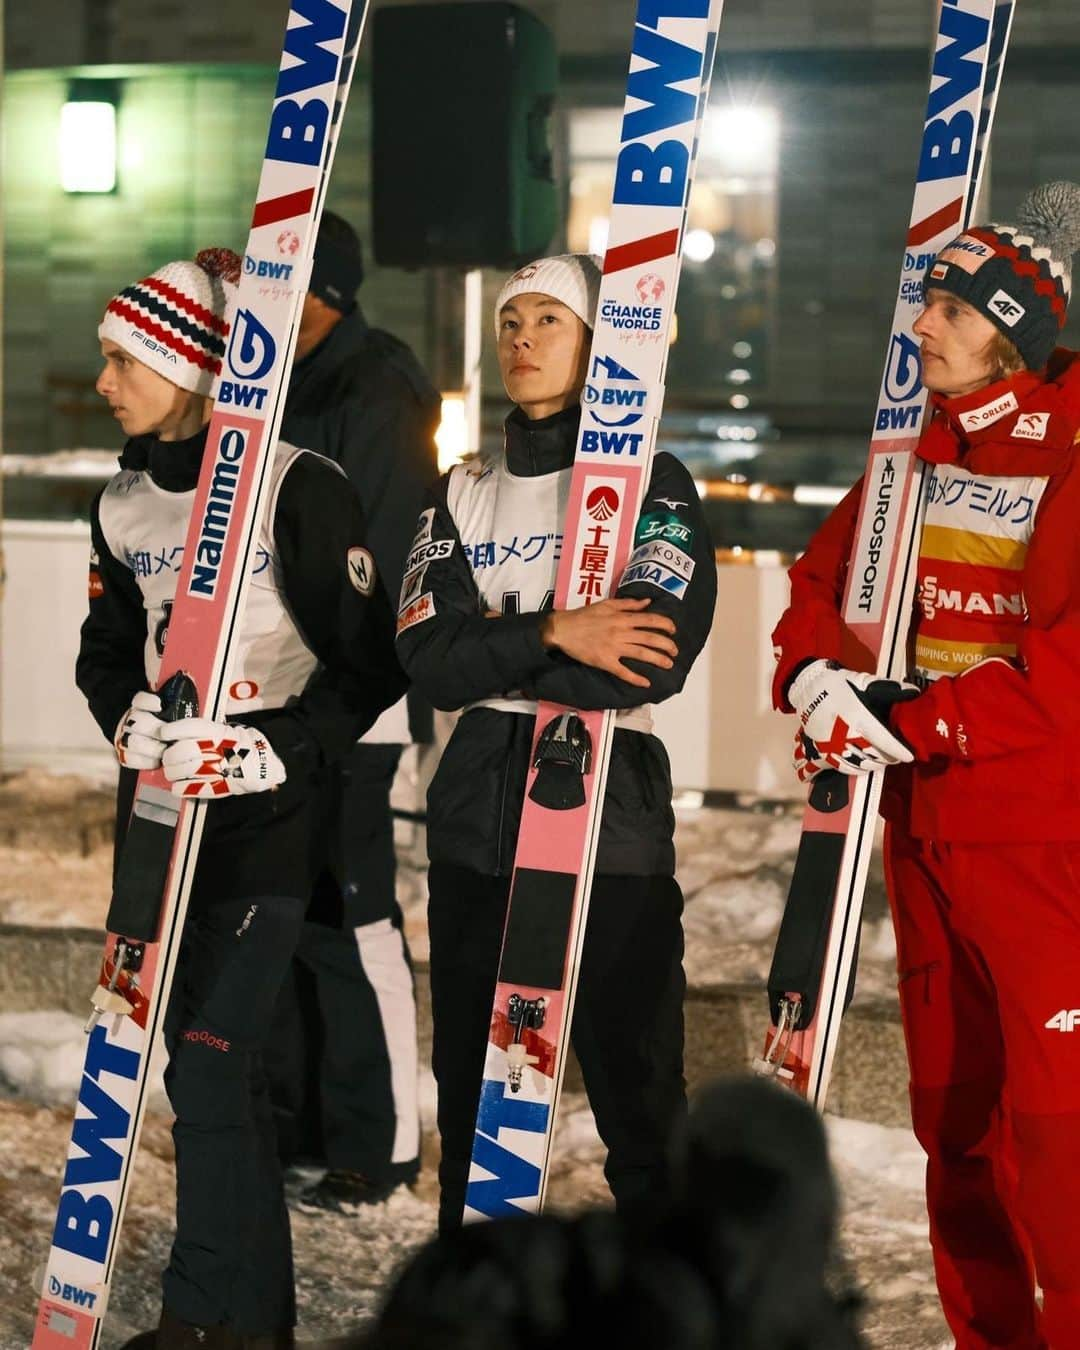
(71, 1293)
(298, 127)
(947, 146)
(217, 515)
(512, 1177)
(261, 267)
(950, 135)
(655, 175)
(84, 1221)
(917, 262)
(903, 380)
(250, 357)
(614, 397)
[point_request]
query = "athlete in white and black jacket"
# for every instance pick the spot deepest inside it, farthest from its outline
(314, 667)
(476, 630)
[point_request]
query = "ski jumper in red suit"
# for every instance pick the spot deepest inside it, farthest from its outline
(982, 852)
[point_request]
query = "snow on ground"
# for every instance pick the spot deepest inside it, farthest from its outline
(343, 1263)
(734, 867)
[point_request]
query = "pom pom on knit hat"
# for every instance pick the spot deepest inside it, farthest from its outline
(573, 278)
(1019, 276)
(176, 320)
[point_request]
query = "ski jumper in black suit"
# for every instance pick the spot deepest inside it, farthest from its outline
(314, 667)
(500, 518)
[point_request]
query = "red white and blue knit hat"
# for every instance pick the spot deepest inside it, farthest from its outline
(1019, 276)
(177, 319)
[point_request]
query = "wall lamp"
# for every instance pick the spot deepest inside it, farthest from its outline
(88, 136)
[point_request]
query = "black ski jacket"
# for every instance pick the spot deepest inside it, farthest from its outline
(458, 655)
(362, 399)
(317, 520)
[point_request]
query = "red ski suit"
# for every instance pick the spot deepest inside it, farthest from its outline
(982, 852)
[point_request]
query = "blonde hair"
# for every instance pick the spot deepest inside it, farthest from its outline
(1004, 358)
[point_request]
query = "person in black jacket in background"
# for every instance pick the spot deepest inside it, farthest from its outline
(476, 629)
(312, 668)
(343, 1070)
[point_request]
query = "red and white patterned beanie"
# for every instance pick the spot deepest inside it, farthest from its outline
(177, 319)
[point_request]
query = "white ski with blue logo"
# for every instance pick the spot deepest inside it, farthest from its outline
(671, 62)
(316, 69)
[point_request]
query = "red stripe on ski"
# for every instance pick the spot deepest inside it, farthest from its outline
(936, 224)
(641, 251)
(282, 208)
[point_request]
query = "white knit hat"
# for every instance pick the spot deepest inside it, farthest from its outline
(573, 278)
(175, 320)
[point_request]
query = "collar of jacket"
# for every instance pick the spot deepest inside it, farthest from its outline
(543, 446)
(173, 465)
(347, 334)
(1025, 425)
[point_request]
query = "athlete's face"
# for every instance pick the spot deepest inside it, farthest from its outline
(955, 350)
(143, 401)
(543, 354)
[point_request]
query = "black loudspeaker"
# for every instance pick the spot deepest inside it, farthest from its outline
(461, 158)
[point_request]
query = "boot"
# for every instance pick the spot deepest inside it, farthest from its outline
(173, 1334)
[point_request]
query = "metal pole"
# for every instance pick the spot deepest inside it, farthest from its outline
(3, 572)
(474, 336)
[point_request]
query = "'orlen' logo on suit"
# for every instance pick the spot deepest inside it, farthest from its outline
(1031, 427)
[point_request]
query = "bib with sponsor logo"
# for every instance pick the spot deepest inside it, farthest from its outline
(970, 603)
(145, 527)
(511, 532)
(511, 535)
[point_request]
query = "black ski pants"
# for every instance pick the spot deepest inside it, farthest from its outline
(231, 1261)
(627, 1029)
(341, 1060)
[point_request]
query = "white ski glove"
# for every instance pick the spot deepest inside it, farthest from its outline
(842, 714)
(207, 759)
(137, 740)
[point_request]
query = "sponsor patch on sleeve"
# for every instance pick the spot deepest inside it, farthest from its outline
(664, 555)
(411, 587)
(423, 607)
(361, 568)
(427, 552)
(96, 585)
(663, 525)
(652, 574)
(423, 527)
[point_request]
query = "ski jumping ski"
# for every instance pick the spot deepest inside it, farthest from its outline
(813, 966)
(158, 862)
(670, 68)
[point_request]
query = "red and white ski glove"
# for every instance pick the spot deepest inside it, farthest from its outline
(207, 759)
(137, 740)
(842, 715)
(804, 758)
